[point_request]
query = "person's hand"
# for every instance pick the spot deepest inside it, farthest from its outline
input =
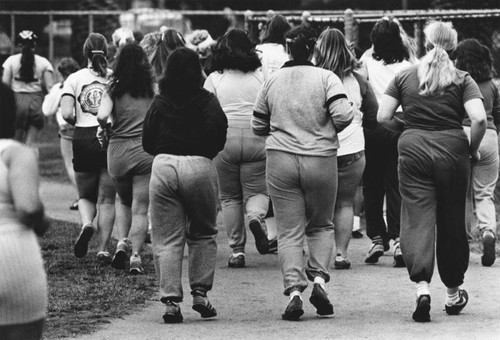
(102, 136)
(475, 156)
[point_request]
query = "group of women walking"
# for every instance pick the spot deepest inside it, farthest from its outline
(180, 142)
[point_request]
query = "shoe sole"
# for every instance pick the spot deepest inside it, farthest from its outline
(421, 313)
(373, 258)
(82, 243)
(119, 259)
(357, 234)
(172, 318)
(322, 307)
(135, 271)
(456, 309)
(293, 315)
(489, 255)
(205, 311)
(338, 265)
(399, 262)
(261, 242)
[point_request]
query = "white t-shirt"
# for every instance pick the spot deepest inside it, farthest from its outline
(352, 139)
(87, 88)
(236, 91)
(11, 68)
(272, 56)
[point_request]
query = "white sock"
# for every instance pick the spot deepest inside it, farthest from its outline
(320, 280)
(238, 254)
(452, 296)
(423, 288)
(295, 293)
(356, 223)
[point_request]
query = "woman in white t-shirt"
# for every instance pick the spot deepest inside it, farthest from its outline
(272, 52)
(28, 74)
(82, 94)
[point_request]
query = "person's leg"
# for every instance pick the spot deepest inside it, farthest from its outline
(168, 227)
(123, 220)
(106, 207)
(231, 196)
(67, 155)
(349, 176)
(391, 187)
(290, 215)
(87, 184)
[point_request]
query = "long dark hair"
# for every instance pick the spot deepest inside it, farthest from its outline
(170, 40)
(132, 74)
(234, 51)
(276, 30)
(387, 42)
(182, 77)
(95, 49)
(8, 112)
(27, 39)
(300, 42)
(475, 58)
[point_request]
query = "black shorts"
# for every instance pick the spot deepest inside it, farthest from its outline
(88, 155)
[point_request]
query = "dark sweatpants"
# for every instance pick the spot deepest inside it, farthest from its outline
(380, 179)
(434, 170)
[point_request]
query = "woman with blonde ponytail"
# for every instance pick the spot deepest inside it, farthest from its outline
(434, 165)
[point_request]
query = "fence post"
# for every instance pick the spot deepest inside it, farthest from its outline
(12, 33)
(417, 35)
(51, 38)
(349, 25)
(91, 23)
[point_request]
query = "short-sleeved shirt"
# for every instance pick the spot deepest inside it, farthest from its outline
(87, 88)
(272, 56)
(433, 112)
(12, 66)
(128, 116)
(491, 104)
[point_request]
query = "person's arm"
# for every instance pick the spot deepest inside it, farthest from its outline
(385, 115)
(67, 109)
(105, 110)
(477, 115)
(369, 105)
(337, 103)
(7, 73)
(48, 80)
(149, 130)
(261, 120)
(51, 101)
(22, 164)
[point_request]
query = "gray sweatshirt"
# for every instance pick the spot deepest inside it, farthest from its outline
(302, 108)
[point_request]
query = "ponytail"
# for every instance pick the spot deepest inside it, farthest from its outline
(27, 70)
(436, 71)
(96, 49)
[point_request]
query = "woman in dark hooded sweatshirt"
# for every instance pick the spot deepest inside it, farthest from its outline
(184, 129)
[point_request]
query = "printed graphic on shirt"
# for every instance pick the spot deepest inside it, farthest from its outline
(90, 97)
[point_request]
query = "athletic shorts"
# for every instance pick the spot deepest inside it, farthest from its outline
(88, 155)
(127, 158)
(29, 110)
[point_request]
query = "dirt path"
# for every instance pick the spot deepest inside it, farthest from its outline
(370, 301)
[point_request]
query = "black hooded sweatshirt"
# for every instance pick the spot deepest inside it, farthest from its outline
(193, 127)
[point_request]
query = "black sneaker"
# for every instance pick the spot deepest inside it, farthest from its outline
(421, 313)
(357, 233)
(489, 255)
(273, 246)
(294, 310)
(457, 307)
(376, 250)
(320, 300)
(261, 242)
(82, 243)
(172, 313)
(203, 306)
(236, 261)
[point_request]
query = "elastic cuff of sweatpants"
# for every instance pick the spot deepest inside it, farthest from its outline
(312, 273)
(290, 289)
(175, 299)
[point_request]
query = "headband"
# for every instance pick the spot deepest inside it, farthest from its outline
(97, 52)
(27, 35)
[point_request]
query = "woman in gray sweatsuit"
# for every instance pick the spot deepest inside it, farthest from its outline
(302, 108)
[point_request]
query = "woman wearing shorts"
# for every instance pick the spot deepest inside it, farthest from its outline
(82, 94)
(126, 102)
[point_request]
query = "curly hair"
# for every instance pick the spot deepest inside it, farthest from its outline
(276, 30)
(234, 51)
(132, 74)
(387, 42)
(475, 58)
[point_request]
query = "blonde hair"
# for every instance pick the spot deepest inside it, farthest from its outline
(436, 71)
(333, 53)
(122, 36)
